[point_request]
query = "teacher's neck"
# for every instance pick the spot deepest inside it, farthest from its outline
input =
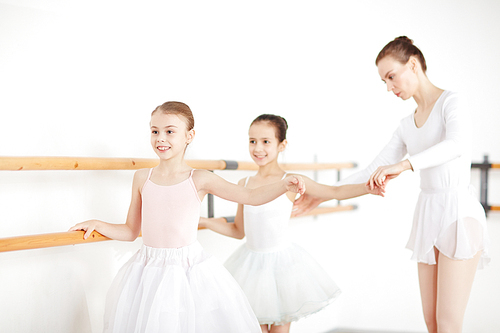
(427, 93)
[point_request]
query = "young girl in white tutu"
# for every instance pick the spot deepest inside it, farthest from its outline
(283, 283)
(171, 284)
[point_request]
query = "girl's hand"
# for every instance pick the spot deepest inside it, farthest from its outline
(304, 204)
(377, 190)
(387, 172)
(87, 226)
(295, 184)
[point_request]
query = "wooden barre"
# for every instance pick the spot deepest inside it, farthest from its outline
(103, 163)
(76, 237)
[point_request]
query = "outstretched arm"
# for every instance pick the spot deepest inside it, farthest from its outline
(208, 182)
(317, 193)
(384, 173)
(328, 192)
(393, 152)
(221, 226)
(131, 228)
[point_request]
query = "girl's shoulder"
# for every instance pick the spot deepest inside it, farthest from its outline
(142, 174)
(243, 181)
(200, 176)
(140, 177)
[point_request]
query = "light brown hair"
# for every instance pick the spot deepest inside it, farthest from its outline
(177, 108)
(401, 49)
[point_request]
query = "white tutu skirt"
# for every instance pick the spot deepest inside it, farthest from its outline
(451, 220)
(181, 290)
(282, 286)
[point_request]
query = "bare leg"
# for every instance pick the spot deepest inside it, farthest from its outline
(427, 276)
(264, 328)
(454, 283)
(280, 328)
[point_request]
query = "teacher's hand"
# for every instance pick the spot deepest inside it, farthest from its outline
(387, 172)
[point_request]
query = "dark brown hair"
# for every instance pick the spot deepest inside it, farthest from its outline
(278, 122)
(401, 49)
(177, 108)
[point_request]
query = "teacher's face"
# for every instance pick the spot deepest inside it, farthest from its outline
(399, 78)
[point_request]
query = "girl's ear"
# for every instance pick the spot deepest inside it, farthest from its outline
(282, 145)
(190, 136)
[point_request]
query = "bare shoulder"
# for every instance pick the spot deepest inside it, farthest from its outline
(201, 174)
(140, 177)
(201, 177)
(141, 174)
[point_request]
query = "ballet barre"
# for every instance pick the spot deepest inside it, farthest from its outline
(105, 163)
(93, 163)
(485, 167)
(41, 241)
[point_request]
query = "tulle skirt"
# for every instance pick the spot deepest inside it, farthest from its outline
(283, 285)
(181, 290)
(453, 221)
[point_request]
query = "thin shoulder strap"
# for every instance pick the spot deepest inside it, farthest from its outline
(193, 186)
(150, 172)
(246, 181)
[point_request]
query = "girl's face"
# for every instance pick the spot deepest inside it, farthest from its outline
(400, 78)
(169, 135)
(264, 146)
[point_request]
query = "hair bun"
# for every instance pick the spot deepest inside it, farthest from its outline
(404, 39)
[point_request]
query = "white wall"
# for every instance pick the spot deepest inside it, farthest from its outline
(80, 78)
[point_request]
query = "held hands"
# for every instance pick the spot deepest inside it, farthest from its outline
(377, 190)
(384, 173)
(295, 184)
(87, 226)
(306, 202)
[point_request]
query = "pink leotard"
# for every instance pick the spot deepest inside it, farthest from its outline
(170, 214)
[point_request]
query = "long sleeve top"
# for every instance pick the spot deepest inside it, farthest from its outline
(439, 148)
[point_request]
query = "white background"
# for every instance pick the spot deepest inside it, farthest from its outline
(80, 78)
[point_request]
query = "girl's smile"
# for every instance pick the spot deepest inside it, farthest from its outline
(169, 135)
(264, 146)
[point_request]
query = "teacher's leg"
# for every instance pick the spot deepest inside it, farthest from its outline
(454, 283)
(427, 277)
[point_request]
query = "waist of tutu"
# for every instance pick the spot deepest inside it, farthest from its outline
(187, 252)
(275, 248)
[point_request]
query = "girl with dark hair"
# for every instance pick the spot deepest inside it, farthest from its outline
(283, 282)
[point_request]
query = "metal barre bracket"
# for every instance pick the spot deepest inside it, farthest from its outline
(483, 194)
(231, 165)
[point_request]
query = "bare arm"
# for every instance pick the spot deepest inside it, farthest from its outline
(131, 228)
(327, 192)
(207, 182)
(317, 193)
(221, 226)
